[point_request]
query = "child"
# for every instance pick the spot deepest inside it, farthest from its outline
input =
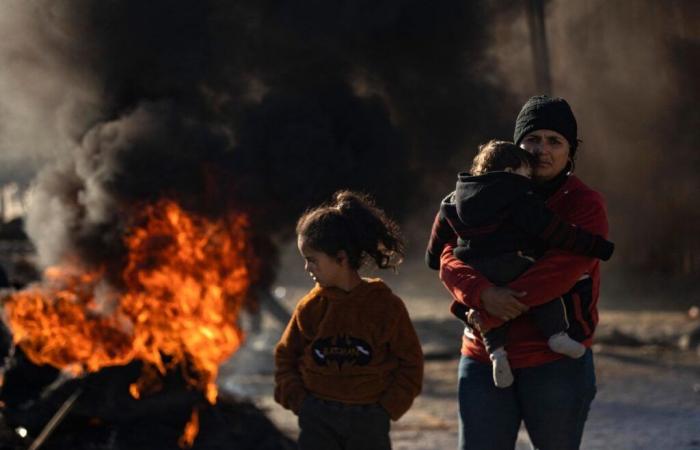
(496, 218)
(349, 359)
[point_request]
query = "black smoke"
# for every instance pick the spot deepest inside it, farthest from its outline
(265, 106)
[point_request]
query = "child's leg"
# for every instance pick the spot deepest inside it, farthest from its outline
(368, 428)
(494, 341)
(499, 269)
(317, 427)
(495, 338)
(332, 425)
(552, 320)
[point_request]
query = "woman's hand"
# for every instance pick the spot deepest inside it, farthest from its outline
(503, 303)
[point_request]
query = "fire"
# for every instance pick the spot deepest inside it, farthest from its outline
(191, 430)
(184, 283)
(58, 324)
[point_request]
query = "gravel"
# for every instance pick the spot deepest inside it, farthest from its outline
(648, 388)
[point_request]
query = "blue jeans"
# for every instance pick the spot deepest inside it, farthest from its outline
(552, 399)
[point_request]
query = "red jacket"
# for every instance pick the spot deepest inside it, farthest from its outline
(558, 273)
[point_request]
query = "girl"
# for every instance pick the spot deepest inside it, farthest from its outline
(349, 359)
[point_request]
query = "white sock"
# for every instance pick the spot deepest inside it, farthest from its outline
(502, 375)
(562, 343)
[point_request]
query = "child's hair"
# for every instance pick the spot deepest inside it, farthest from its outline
(353, 223)
(500, 155)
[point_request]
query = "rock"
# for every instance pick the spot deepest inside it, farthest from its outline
(690, 339)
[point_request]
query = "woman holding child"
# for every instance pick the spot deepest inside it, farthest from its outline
(551, 393)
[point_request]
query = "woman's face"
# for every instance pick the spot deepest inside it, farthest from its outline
(552, 151)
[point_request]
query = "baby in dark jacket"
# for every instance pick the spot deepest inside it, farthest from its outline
(499, 224)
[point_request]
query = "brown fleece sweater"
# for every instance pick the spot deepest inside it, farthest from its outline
(356, 347)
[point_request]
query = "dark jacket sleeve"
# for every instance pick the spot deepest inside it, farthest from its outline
(539, 284)
(441, 234)
(532, 216)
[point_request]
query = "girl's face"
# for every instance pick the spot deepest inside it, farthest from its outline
(552, 151)
(324, 269)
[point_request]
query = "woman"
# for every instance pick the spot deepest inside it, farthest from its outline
(551, 394)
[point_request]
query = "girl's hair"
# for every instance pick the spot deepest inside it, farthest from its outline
(353, 223)
(500, 155)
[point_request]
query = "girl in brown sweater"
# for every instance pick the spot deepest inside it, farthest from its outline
(349, 359)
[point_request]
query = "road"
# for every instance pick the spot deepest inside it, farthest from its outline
(648, 390)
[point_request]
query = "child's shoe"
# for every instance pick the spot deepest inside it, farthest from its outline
(502, 375)
(562, 343)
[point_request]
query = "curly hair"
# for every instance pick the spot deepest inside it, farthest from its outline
(500, 155)
(353, 223)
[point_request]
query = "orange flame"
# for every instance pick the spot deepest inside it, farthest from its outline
(191, 431)
(185, 281)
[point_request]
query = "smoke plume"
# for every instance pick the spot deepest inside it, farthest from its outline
(265, 106)
(270, 106)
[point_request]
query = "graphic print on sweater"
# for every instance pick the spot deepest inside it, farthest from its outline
(342, 350)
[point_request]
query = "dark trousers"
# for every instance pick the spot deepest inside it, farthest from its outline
(549, 318)
(553, 400)
(328, 425)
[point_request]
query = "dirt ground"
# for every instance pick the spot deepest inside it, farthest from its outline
(648, 389)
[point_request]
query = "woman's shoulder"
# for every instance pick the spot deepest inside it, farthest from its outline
(579, 204)
(576, 190)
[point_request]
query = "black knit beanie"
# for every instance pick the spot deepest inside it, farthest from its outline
(546, 113)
